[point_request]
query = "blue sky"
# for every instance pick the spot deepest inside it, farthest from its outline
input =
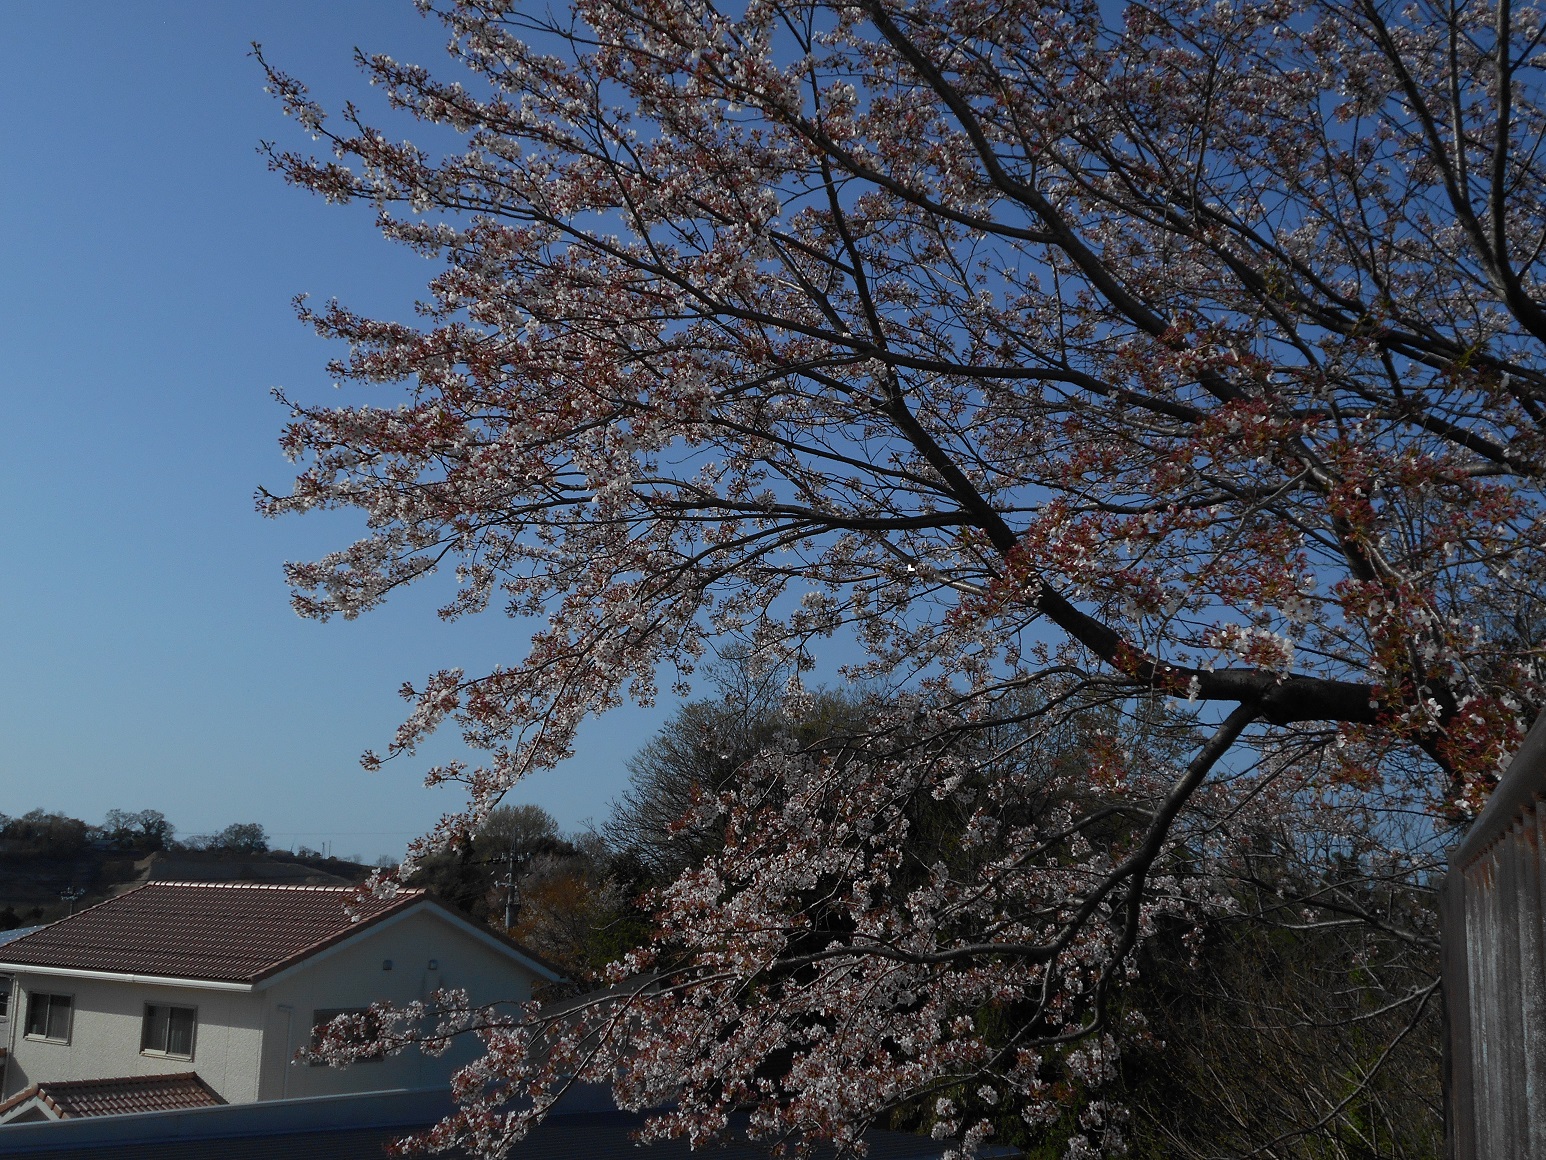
(147, 262)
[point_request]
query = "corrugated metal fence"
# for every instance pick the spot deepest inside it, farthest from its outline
(1493, 910)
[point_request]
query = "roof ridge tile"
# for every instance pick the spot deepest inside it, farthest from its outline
(276, 886)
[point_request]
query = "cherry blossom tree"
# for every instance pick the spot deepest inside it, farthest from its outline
(1046, 356)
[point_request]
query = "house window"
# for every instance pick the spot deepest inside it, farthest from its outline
(168, 1031)
(5, 997)
(48, 1017)
(321, 1017)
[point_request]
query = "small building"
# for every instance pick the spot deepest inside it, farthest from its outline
(72, 1099)
(227, 980)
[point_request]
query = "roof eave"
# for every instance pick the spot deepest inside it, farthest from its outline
(334, 943)
(391, 917)
(505, 944)
(128, 977)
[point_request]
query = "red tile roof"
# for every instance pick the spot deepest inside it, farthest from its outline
(217, 931)
(111, 1097)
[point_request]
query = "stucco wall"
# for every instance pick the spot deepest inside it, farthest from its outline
(105, 1027)
(354, 977)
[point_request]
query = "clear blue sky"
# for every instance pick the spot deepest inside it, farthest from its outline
(147, 262)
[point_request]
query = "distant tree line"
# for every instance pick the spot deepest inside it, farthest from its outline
(44, 834)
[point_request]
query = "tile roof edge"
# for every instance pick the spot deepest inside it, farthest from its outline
(201, 1082)
(40, 1090)
(408, 1108)
(18, 1099)
(296, 886)
(122, 1080)
(17, 942)
(36, 1092)
(398, 905)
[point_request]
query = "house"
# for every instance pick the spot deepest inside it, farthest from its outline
(227, 980)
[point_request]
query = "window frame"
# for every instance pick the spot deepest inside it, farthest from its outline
(321, 1016)
(164, 1052)
(51, 998)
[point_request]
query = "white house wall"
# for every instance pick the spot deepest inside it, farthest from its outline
(354, 977)
(106, 1023)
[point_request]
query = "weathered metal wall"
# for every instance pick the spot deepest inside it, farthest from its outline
(1493, 913)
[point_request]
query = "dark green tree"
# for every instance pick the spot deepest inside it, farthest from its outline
(137, 829)
(242, 838)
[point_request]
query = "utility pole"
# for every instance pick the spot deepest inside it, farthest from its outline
(509, 885)
(69, 896)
